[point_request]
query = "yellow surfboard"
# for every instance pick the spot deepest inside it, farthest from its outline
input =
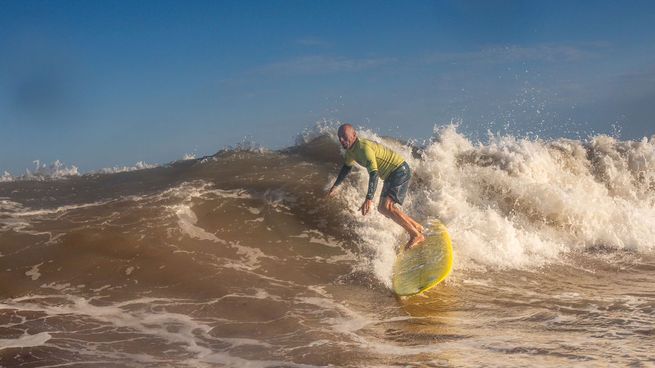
(424, 266)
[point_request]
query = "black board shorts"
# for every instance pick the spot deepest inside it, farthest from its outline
(396, 184)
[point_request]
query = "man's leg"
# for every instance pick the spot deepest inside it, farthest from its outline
(417, 226)
(388, 209)
(394, 191)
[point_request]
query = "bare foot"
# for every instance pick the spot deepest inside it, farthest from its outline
(414, 241)
(420, 228)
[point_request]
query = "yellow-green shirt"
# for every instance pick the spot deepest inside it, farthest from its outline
(374, 157)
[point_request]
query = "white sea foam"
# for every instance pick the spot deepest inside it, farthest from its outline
(119, 169)
(146, 317)
(518, 202)
(187, 219)
(321, 128)
(126, 315)
(187, 222)
(42, 171)
(8, 205)
(58, 170)
(17, 210)
(316, 237)
(6, 177)
(15, 217)
(34, 273)
(25, 341)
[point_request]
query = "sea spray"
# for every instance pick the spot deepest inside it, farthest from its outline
(514, 202)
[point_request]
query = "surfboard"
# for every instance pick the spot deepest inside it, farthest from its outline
(421, 268)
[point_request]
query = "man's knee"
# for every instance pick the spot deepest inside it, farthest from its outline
(386, 206)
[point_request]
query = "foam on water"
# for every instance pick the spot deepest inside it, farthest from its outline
(521, 203)
(143, 317)
(6, 177)
(517, 202)
(42, 171)
(58, 170)
(25, 340)
(34, 273)
(18, 218)
(187, 222)
(119, 169)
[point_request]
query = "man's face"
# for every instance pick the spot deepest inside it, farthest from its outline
(347, 139)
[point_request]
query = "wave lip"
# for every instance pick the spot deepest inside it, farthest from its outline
(120, 169)
(42, 171)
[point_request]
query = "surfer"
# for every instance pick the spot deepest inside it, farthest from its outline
(380, 162)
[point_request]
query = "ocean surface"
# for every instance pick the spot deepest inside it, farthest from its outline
(238, 260)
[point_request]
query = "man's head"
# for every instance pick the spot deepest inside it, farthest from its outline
(347, 136)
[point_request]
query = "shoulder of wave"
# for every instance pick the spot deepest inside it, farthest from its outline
(141, 165)
(247, 147)
(57, 170)
(60, 172)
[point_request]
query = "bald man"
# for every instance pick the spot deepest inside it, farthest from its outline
(383, 163)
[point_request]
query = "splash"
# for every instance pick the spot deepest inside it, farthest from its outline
(42, 171)
(520, 203)
(141, 165)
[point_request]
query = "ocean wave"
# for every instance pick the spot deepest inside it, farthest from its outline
(508, 202)
(238, 258)
(120, 169)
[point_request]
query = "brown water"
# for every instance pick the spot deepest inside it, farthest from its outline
(237, 260)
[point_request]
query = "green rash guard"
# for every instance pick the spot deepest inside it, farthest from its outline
(374, 157)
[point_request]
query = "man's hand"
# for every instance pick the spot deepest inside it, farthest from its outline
(366, 206)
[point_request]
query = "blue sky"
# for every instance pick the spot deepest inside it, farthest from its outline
(105, 83)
